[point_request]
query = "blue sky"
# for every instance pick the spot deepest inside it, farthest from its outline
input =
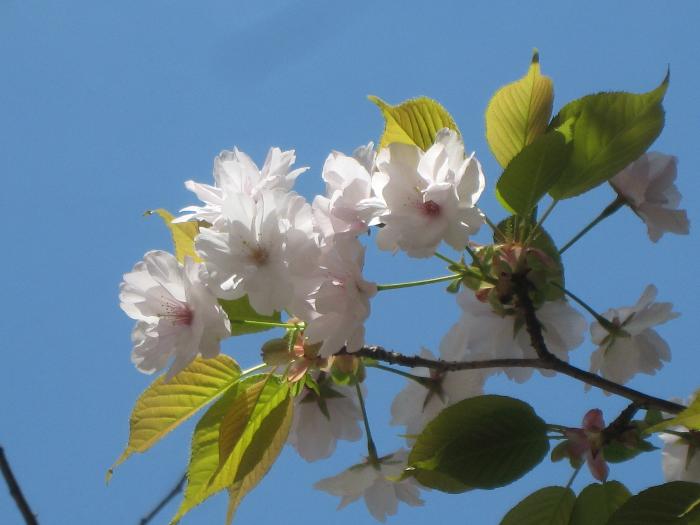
(106, 108)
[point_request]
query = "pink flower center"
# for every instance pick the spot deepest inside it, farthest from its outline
(430, 208)
(259, 256)
(177, 313)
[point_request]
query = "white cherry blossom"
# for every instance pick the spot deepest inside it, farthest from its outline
(350, 206)
(429, 196)
(678, 461)
(638, 349)
(235, 173)
(416, 405)
(177, 316)
(647, 185)
(376, 484)
(314, 433)
(339, 299)
(481, 333)
(244, 254)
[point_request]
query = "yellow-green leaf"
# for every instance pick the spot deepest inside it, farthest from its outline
(518, 113)
(689, 418)
(204, 455)
(241, 309)
(255, 418)
(260, 455)
(183, 234)
(164, 405)
(415, 121)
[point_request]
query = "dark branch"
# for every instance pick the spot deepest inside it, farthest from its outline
(16, 491)
(641, 399)
(170, 495)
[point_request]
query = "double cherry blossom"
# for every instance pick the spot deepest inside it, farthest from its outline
(261, 240)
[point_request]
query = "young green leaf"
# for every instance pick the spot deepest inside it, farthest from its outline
(250, 434)
(204, 455)
(532, 172)
(547, 506)
(183, 234)
(518, 113)
(415, 121)
(610, 130)
(164, 405)
(689, 418)
(482, 442)
(667, 504)
(241, 309)
(597, 502)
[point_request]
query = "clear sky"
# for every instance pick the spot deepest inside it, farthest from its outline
(106, 108)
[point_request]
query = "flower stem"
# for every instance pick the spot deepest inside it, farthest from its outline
(418, 379)
(538, 226)
(607, 212)
(254, 369)
(371, 448)
(267, 324)
(394, 286)
(446, 259)
(602, 320)
(573, 476)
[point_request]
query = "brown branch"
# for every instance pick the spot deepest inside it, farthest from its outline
(552, 363)
(16, 491)
(170, 495)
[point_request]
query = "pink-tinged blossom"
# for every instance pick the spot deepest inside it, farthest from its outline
(586, 443)
(418, 404)
(177, 317)
(235, 173)
(339, 299)
(349, 206)
(429, 196)
(647, 185)
(320, 421)
(377, 484)
(633, 346)
(482, 333)
(256, 248)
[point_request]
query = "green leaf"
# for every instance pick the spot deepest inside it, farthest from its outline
(689, 418)
(547, 506)
(164, 405)
(617, 452)
(668, 504)
(597, 502)
(183, 234)
(204, 455)
(518, 113)
(415, 121)
(532, 172)
(249, 431)
(610, 130)
(260, 455)
(241, 309)
(482, 442)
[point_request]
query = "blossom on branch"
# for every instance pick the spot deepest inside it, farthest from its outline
(377, 483)
(647, 186)
(419, 403)
(630, 346)
(429, 196)
(321, 419)
(481, 333)
(350, 206)
(236, 174)
(177, 316)
(587, 443)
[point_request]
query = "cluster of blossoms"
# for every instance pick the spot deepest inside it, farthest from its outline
(261, 240)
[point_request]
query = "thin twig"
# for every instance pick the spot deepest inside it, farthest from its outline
(170, 495)
(16, 491)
